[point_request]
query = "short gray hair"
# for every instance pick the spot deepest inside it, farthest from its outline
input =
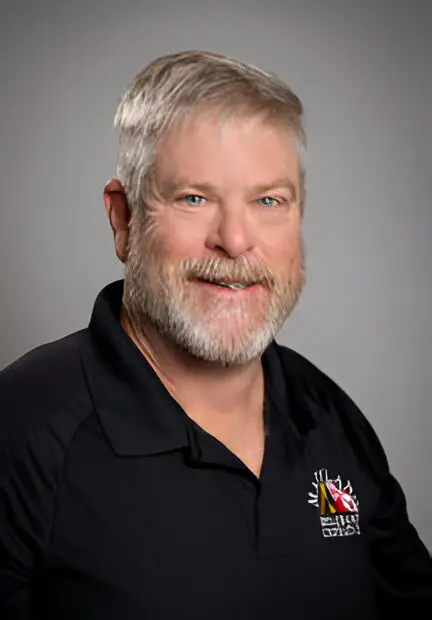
(173, 87)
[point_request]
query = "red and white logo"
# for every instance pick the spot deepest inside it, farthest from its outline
(338, 507)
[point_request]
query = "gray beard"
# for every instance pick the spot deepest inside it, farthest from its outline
(153, 294)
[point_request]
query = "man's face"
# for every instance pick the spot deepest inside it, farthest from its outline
(222, 207)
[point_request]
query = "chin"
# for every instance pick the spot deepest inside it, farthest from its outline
(227, 348)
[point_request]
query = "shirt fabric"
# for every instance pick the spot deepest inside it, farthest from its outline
(114, 504)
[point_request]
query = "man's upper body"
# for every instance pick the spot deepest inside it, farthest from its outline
(115, 504)
(172, 459)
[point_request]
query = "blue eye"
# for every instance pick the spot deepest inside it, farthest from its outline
(194, 200)
(267, 201)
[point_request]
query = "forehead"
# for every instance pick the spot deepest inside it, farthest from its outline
(227, 151)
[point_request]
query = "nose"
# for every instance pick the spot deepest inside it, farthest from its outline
(231, 232)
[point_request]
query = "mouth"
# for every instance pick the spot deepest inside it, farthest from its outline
(228, 285)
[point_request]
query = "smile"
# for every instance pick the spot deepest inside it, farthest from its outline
(232, 285)
(227, 286)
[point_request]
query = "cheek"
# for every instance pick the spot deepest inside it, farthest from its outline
(177, 237)
(285, 253)
(175, 245)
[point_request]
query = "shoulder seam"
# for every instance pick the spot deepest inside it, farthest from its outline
(60, 477)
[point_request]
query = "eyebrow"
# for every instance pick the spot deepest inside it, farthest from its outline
(284, 182)
(172, 187)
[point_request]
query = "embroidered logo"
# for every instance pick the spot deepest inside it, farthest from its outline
(338, 507)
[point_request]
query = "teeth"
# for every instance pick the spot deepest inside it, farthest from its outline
(232, 285)
(237, 286)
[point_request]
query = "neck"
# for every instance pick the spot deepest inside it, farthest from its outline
(209, 393)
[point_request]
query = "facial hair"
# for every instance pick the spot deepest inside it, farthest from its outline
(214, 328)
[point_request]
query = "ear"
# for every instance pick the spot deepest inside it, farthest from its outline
(118, 212)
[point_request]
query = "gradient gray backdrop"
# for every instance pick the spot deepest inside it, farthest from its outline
(363, 71)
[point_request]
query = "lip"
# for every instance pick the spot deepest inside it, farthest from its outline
(221, 290)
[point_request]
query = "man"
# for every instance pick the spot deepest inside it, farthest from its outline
(172, 460)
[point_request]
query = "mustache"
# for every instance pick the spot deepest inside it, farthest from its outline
(216, 269)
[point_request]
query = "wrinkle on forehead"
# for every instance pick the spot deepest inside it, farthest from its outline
(213, 143)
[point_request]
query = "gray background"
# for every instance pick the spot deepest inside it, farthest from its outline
(363, 71)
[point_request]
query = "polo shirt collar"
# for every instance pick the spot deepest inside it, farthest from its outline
(138, 414)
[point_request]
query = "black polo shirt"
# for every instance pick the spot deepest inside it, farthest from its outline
(115, 505)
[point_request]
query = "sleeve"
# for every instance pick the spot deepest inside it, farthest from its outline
(401, 566)
(27, 496)
(43, 401)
